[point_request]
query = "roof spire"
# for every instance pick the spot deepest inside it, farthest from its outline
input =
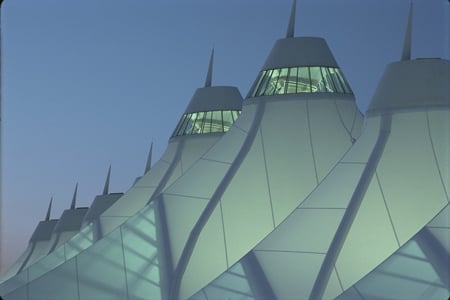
(291, 25)
(106, 188)
(74, 199)
(406, 53)
(148, 165)
(47, 217)
(210, 69)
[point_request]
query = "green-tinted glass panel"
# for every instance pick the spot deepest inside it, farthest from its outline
(303, 80)
(317, 81)
(198, 123)
(264, 82)
(190, 124)
(177, 129)
(291, 82)
(257, 83)
(328, 82)
(227, 120)
(235, 114)
(344, 82)
(272, 83)
(300, 80)
(185, 123)
(337, 83)
(281, 85)
(216, 122)
(207, 122)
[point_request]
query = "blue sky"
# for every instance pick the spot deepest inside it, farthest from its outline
(91, 83)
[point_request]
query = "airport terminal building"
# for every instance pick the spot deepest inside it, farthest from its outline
(290, 193)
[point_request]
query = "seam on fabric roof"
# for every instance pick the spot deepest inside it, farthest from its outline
(239, 128)
(204, 294)
(223, 231)
(25, 262)
(256, 278)
(55, 243)
(310, 141)
(338, 208)
(330, 172)
(267, 175)
(76, 276)
(439, 227)
(435, 157)
(354, 121)
(194, 234)
(125, 273)
(339, 279)
(411, 256)
(168, 173)
(387, 209)
(186, 196)
(142, 187)
(290, 251)
(342, 121)
(392, 274)
(338, 241)
(194, 162)
(217, 161)
(397, 110)
(166, 258)
(230, 290)
(358, 292)
(317, 186)
(352, 163)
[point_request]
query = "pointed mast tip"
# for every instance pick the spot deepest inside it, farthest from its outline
(148, 165)
(106, 187)
(291, 25)
(208, 80)
(49, 209)
(406, 52)
(74, 199)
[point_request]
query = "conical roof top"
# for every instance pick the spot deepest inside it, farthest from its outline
(409, 84)
(212, 109)
(299, 51)
(210, 98)
(44, 229)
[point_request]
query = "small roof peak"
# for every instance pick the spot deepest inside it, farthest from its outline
(106, 187)
(49, 209)
(291, 25)
(74, 199)
(148, 165)
(406, 53)
(210, 69)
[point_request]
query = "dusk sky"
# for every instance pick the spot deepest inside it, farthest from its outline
(91, 83)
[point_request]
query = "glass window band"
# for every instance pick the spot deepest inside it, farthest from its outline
(297, 80)
(206, 122)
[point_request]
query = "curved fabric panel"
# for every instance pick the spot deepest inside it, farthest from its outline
(409, 156)
(181, 210)
(370, 240)
(210, 243)
(61, 283)
(289, 161)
